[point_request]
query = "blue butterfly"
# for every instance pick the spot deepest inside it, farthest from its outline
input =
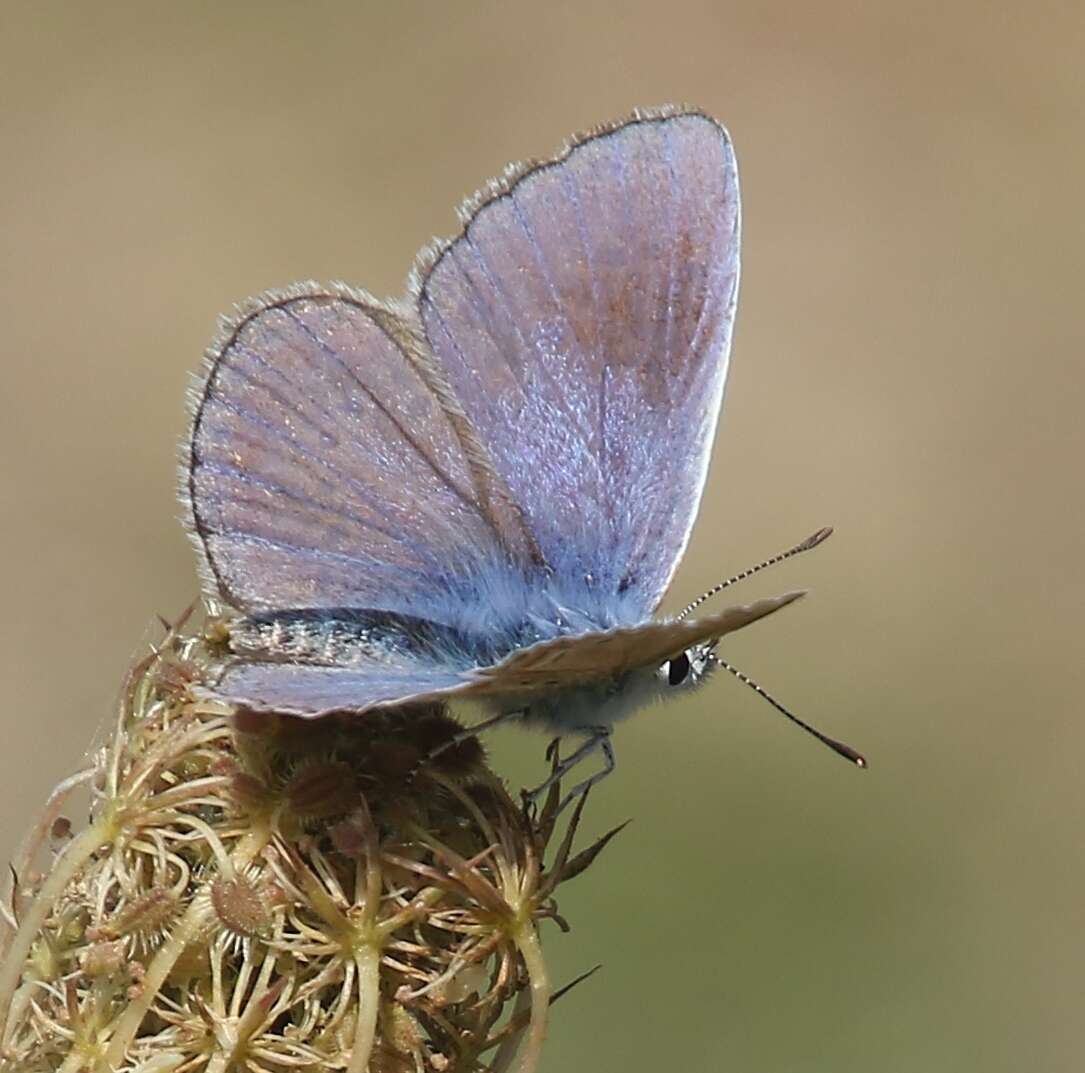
(484, 489)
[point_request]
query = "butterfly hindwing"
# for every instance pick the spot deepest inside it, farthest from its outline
(300, 689)
(329, 466)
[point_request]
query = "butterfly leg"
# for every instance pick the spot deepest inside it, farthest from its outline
(461, 736)
(598, 738)
(602, 740)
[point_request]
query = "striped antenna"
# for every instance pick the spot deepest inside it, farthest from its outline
(837, 747)
(811, 541)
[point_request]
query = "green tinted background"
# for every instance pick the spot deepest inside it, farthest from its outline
(907, 367)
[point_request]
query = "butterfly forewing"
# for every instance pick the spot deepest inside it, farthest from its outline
(584, 320)
(609, 654)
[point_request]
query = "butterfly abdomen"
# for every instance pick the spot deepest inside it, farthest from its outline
(342, 637)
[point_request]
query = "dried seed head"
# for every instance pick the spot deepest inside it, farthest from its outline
(281, 883)
(467, 981)
(241, 905)
(177, 675)
(249, 794)
(322, 789)
(61, 829)
(146, 918)
(351, 836)
(402, 1032)
(102, 960)
(432, 730)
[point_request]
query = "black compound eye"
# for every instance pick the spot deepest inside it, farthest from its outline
(678, 669)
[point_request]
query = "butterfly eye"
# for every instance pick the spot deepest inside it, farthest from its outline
(678, 669)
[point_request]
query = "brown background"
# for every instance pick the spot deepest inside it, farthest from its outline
(908, 368)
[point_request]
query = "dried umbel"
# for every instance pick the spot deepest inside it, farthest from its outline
(280, 897)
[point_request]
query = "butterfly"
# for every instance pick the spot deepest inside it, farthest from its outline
(483, 490)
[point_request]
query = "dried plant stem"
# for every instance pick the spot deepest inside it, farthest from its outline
(195, 922)
(74, 1063)
(368, 961)
(36, 838)
(510, 1045)
(71, 860)
(526, 937)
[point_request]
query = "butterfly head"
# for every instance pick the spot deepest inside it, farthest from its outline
(688, 669)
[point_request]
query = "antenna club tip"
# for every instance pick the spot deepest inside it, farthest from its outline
(846, 751)
(815, 539)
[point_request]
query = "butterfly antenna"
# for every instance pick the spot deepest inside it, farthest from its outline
(811, 541)
(838, 747)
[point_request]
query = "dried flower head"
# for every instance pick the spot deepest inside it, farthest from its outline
(262, 895)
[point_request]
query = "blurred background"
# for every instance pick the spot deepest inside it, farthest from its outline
(907, 367)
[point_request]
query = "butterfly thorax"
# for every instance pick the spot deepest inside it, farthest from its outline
(610, 699)
(594, 704)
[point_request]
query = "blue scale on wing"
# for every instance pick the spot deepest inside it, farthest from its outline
(503, 470)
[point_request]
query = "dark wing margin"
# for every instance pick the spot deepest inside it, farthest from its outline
(329, 463)
(583, 318)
